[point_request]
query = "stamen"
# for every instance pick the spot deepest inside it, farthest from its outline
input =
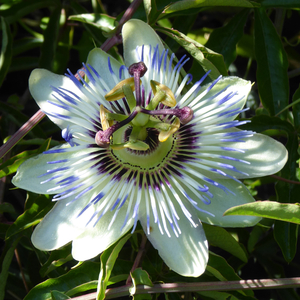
(184, 114)
(166, 95)
(102, 138)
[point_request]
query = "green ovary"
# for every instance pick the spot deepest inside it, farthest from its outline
(148, 159)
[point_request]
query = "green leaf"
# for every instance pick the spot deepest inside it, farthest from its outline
(108, 259)
(6, 50)
(208, 59)
(24, 63)
(151, 11)
(219, 237)
(268, 209)
(214, 295)
(224, 40)
(56, 295)
(101, 21)
(255, 235)
(286, 236)
(80, 288)
(296, 109)
(50, 40)
(57, 258)
(12, 164)
(91, 31)
(7, 208)
(281, 3)
(207, 295)
(87, 272)
(140, 276)
(272, 65)
(8, 256)
(188, 4)
(26, 44)
(32, 215)
(219, 268)
(22, 8)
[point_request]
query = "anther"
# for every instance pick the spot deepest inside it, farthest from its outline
(185, 115)
(102, 137)
(104, 121)
(118, 92)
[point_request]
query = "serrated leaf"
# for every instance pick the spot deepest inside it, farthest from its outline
(224, 40)
(87, 272)
(268, 209)
(6, 50)
(219, 237)
(272, 65)
(208, 59)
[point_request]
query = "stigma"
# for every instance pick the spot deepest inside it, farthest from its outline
(160, 113)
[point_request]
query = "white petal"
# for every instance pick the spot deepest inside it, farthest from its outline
(40, 82)
(222, 201)
(98, 59)
(97, 239)
(61, 225)
(138, 33)
(209, 107)
(29, 172)
(265, 155)
(186, 254)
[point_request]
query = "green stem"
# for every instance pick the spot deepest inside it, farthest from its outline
(288, 106)
(251, 284)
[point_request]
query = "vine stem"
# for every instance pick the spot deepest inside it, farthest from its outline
(253, 284)
(21, 269)
(284, 179)
(138, 258)
(34, 120)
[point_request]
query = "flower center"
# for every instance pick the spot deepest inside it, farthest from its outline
(145, 128)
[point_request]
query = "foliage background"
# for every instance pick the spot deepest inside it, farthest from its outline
(256, 40)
